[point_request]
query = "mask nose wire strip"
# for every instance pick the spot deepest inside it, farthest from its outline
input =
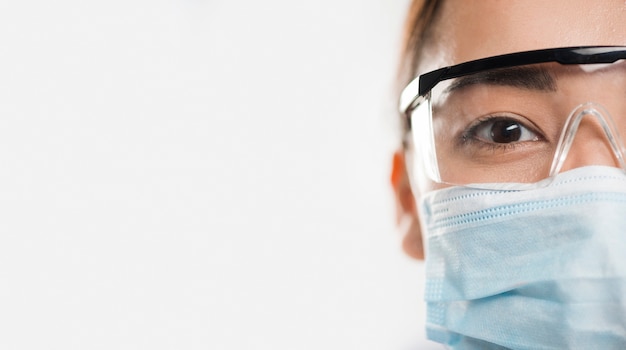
(571, 127)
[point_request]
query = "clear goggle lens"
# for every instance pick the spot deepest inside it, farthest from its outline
(521, 124)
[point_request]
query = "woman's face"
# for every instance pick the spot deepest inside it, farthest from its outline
(471, 29)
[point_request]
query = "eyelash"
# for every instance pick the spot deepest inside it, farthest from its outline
(488, 145)
(470, 134)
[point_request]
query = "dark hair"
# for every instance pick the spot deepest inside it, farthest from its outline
(417, 32)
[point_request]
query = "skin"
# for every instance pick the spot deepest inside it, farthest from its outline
(473, 29)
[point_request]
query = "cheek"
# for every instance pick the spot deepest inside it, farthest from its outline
(412, 243)
(419, 180)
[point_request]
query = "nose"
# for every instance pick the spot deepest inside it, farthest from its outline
(589, 137)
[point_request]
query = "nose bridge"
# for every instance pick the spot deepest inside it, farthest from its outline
(589, 137)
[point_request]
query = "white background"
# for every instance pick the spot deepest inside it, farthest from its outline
(193, 174)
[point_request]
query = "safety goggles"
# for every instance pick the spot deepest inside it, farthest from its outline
(516, 118)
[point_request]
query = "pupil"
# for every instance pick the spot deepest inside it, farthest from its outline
(505, 131)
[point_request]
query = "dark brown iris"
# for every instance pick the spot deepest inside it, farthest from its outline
(506, 131)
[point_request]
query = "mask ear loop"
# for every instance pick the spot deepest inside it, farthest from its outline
(571, 127)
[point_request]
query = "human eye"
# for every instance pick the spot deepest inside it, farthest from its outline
(501, 131)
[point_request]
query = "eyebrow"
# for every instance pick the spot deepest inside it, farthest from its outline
(531, 78)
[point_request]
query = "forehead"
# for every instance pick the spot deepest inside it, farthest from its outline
(473, 29)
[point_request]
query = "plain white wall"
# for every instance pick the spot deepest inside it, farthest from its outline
(201, 175)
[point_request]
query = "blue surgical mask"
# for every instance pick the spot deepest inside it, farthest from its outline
(542, 268)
